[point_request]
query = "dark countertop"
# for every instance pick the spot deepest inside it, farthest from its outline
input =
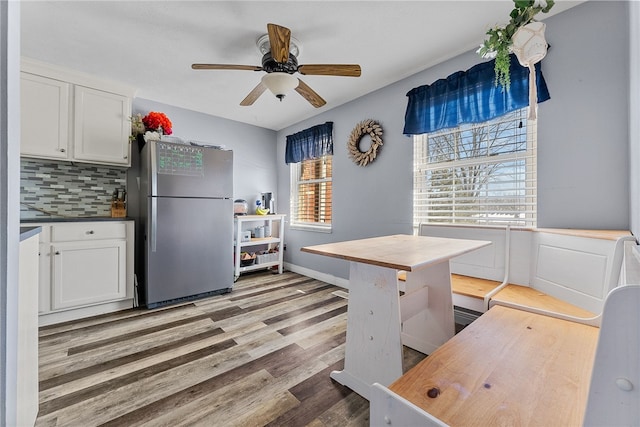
(26, 232)
(79, 219)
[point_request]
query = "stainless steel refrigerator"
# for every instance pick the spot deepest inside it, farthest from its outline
(186, 212)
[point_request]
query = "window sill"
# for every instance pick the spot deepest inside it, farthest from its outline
(309, 227)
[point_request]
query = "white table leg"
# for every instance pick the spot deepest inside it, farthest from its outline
(435, 324)
(373, 350)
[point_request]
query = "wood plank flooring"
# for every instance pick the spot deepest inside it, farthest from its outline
(258, 356)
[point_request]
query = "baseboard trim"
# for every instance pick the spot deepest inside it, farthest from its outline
(328, 278)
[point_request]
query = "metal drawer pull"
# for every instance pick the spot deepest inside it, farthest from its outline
(62, 150)
(57, 252)
(90, 232)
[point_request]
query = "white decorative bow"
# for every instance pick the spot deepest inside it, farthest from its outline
(540, 3)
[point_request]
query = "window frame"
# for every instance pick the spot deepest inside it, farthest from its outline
(528, 201)
(295, 183)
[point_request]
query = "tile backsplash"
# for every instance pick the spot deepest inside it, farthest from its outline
(66, 189)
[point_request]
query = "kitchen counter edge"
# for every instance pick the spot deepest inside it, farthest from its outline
(80, 219)
(26, 232)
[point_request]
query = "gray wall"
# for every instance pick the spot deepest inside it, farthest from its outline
(254, 148)
(583, 130)
(582, 141)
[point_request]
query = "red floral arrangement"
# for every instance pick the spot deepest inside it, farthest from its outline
(154, 121)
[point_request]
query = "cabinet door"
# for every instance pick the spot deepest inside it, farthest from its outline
(44, 113)
(88, 272)
(101, 126)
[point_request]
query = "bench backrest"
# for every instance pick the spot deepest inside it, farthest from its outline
(578, 269)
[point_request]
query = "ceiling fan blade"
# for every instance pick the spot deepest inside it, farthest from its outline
(279, 38)
(225, 67)
(348, 70)
(309, 94)
(253, 95)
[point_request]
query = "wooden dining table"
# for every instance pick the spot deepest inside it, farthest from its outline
(379, 319)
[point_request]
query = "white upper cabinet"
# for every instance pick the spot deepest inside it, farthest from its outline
(73, 116)
(44, 116)
(102, 127)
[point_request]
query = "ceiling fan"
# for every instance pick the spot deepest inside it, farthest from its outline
(279, 61)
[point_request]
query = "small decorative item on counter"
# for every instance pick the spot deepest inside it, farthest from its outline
(259, 209)
(118, 209)
(246, 236)
(240, 207)
(118, 203)
(259, 232)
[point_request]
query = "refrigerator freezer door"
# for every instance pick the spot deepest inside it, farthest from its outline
(189, 250)
(187, 171)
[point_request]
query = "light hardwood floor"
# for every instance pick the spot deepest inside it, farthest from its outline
(260, 355)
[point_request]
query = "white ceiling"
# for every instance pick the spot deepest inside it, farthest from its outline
(151, 45)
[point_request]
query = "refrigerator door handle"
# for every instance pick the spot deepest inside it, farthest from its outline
(154, 168)
(154, 223)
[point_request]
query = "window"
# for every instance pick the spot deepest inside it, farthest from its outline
(311, 194)
(477, 173)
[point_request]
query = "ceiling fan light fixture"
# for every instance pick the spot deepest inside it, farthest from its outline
(280, 83)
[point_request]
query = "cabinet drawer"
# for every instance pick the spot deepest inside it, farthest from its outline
(88, 231)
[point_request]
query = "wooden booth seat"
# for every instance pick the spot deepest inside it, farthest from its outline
(567, 272)
(509, 367)
(523, 296)
(473, 287)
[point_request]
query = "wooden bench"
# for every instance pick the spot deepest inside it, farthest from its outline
(517, 296)
(509, 367)
(513, 367)
(511, 295)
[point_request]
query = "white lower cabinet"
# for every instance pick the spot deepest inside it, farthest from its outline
(86, 268)
(88, 273)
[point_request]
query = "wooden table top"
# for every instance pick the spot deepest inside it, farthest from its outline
(401, 251)
(593, 234)
(509, 367)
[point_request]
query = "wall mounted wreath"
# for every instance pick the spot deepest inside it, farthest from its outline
(366, 127)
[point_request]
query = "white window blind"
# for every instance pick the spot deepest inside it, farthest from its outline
(477, 174)
(311, 194)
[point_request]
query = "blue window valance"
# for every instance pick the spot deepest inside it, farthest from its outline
(469, 97)
(312, 143)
